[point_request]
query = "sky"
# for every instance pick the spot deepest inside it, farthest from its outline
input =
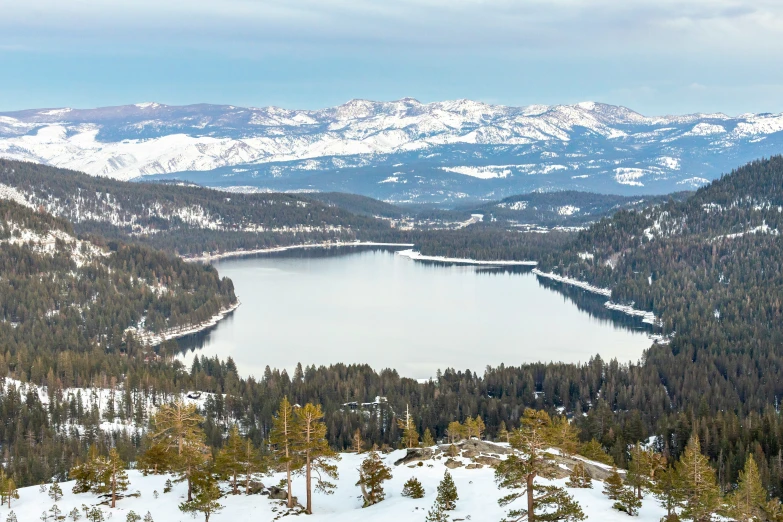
(655, 56)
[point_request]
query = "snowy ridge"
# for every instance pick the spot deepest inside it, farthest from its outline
(474, 145)
(478, 497)
(417, 256)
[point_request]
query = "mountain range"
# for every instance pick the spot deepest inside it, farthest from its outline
(400, 151)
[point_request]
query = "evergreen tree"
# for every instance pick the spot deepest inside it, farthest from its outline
(594, 451)
(747, 503)
(55, 492)
(427, 440)
(314, 451)
(372, 474)
(410, 436)
(74, 515)
(579, 477)
(503, 433)
(696, 481)
(437, 513)
(530, 460)
(101, 475)
(643, 466)
(113, 478)
(357, 442)
(253, 462)
(132, 517)
(176, 427)
(283, 438)
(230, 459)
(666, 490)
(154, 457)
(413, 488)
(148, 517)
(8, 489)
(628, 502)
(564, 436)
(613, 485)
(447, 493)
(455, 432)
(11, 517)
(206, 497)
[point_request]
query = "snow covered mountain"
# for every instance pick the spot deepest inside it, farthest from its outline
(399, 151)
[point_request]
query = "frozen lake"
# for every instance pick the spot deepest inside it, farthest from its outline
(372, 306)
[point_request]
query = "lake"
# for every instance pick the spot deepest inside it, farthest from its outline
(373, 306)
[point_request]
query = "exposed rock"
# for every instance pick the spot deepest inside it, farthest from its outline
(451, 464)
(278, 493)
(415, 454)
(255, 487)
(485, 460)
(483, 446)
(473, 465)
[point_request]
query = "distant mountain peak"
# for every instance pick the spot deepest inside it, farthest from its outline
(401, 150)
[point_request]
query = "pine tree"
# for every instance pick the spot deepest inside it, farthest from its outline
(55, 492)
(628, 502)
(8, 489)
(696, 481)
(503, 433)
(132, 517)
(455, 432)
(530, 460)
(100, 475)
(579, 477)
(427, 440)
(372, 474)
(666, 490)
(643, 466)
(613, 485)
(594, 451)
(437, 513)
(114, 476)
(447, 493)
(148, 517)
(11, 517)
(205, 498)
(357, 442)
(314, 451)
(410, 436)
(283, 438)
(176, 427)
(748, 502)
(413, 488)
(564, 436)
(56, 513)
(74, 515)
(230, 459)
(154, 457)
(253, 462)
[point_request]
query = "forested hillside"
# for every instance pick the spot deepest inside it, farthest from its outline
(182, 218)
(60, 295)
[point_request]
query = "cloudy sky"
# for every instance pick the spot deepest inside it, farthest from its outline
(655, 56)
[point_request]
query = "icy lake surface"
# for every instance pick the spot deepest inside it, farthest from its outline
(375, 307)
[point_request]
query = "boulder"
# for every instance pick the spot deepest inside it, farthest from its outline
(485, 460)
(255, 487)
(451, 464)
(474, 465)
(415, 454)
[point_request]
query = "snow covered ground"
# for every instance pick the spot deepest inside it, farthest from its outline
(477, 502)
(417, 256)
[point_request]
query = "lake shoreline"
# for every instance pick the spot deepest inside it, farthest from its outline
(417, 256)
(207, 258)
(647, 317)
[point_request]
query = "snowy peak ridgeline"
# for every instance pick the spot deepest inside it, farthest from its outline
(402, 150)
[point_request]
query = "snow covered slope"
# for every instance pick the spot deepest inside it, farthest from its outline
(402, 150)
(477, 502)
